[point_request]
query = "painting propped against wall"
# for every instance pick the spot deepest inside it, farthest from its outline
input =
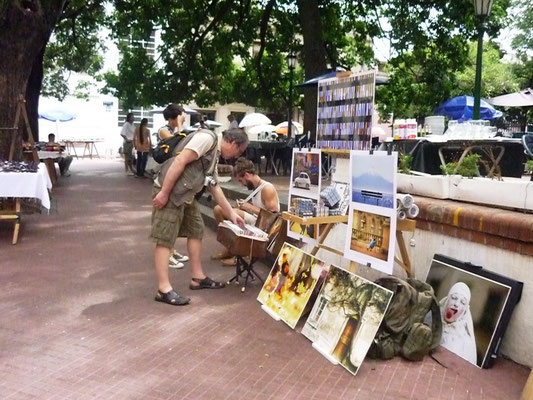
(476, 306)
(346, 316)
(290, 283)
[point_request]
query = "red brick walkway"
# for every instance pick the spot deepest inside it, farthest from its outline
(78, 319)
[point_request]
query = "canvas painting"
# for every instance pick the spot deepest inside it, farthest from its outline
(346, 316)
(305, 173)
(304, 193)
(307, 233)
(290, 283)
(472, 307)
(371, 237)
(373, 178)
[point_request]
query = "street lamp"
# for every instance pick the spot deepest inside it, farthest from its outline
(291, 63)
(482, 8)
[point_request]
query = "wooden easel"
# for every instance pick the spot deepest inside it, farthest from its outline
(13, 213)
(406, 225)
(21, 110)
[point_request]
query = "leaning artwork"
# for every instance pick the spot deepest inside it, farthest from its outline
(290, 283)
(475, 307)
(346, 316)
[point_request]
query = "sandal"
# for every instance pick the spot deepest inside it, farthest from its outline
(206, 283)
(172, 298)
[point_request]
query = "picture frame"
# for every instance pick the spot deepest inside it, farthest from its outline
(485, 317)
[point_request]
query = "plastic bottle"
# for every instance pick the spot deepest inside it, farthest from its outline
(396, 129)
(403, 128)
(411, 129)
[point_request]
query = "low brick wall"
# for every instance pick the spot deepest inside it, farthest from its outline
(499, 240)
(508, 230)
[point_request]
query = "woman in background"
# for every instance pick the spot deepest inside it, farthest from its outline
(141, 141)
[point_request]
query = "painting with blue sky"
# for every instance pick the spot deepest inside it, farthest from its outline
(373, 179)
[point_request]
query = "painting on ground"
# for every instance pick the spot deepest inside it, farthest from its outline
(475, 307)
(290, 283)
(374, 178)
(346, 316)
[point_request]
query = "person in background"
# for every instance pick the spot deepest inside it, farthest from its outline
(175, 116)
(176, 212)
(264, 196)
(127, 133)
(233, 124)
(141, 141)
(63, 162)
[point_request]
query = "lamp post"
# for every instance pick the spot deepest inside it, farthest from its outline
(482, 8)
(291, 63)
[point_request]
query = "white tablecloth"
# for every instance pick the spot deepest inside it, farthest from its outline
(27, 184)
(51, 154)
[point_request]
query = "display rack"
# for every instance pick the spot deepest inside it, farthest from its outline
(403, 225)
(13, 213)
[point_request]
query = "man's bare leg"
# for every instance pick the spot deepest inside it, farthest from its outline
(194, 247)
(161, 256)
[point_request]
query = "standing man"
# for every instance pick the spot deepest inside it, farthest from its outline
(176, 211)
(127, 133)
(264, 196)
(233, 124)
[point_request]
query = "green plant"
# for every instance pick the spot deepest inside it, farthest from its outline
(468, 167)
(529, 165)
(405, 162)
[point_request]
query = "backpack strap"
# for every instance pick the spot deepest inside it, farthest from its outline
(436, 321)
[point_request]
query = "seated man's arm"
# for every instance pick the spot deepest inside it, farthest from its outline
(174, 172)
(269, 197)
(227, 210)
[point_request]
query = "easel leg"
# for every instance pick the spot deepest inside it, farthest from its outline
(323, 234)
(403, 251)
(17, 222)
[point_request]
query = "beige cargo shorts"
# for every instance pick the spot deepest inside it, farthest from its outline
(171, 222)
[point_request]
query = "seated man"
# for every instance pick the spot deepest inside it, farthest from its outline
(63, 162)
(264, 196)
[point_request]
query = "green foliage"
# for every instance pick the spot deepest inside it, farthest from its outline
(75, 46)
(498, 76)
(529, 165)
(430, 44)
(468, 167)
(404, 164)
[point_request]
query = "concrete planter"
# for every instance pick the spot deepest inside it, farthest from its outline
(509, 192)
(435, 186)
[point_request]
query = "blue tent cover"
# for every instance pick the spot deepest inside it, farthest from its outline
(57, 115)
(462, 109)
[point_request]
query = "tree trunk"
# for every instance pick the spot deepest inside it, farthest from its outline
(314, 58)
(33, 91)
(25, 27)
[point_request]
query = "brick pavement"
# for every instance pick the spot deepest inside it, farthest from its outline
(78, 319)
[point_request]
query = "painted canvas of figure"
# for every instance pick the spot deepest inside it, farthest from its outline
(346, 316)
(471, 308)
(370, 234)
(290, 283)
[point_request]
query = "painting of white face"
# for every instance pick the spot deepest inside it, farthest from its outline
(455, 308)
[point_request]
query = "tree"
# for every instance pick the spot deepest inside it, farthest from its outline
(25, 28)
(429, 41)
(498, 76)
